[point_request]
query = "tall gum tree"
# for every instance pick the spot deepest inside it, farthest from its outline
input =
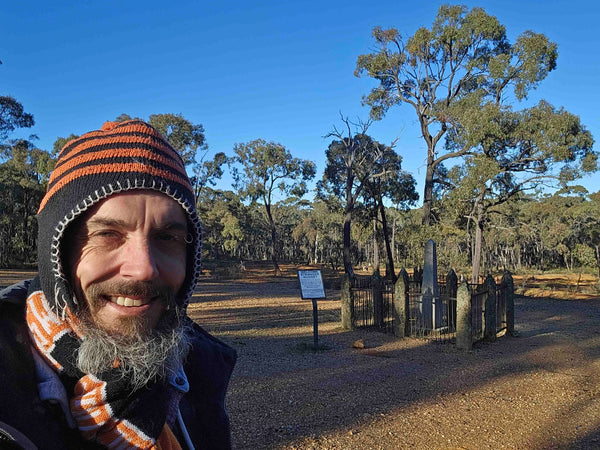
(444, 71)
(512, 152)
(358, 166)
(260, 169)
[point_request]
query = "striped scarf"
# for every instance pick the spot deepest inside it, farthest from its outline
(104, 407)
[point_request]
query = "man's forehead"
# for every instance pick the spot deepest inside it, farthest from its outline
(137, 206)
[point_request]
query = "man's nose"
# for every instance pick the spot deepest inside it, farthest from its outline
(139, 262)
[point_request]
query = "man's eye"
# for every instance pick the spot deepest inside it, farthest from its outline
(107, 234)
(168, 237)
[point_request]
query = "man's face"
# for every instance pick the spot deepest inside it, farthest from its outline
(127, 257)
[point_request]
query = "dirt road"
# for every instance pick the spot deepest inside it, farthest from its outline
(536, 391)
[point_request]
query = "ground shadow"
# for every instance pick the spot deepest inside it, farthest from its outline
(280, 395)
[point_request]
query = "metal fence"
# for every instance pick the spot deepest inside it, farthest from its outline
(426, 325)
(361, 292)
(373, 302)
(372, 305)
(479, 293)
(501, 322)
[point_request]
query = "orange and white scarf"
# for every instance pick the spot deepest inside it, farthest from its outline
(104, 407)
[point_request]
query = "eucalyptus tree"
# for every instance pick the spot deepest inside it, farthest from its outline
(514, 152)
(223, 217)
(446, 72)
(24, 175)
(320, 232)
(12, 116)
(359, 166)
(394, 184)
(587, 225)
(260, 169)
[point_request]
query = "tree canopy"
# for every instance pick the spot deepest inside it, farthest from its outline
(12, 116)
(446, 72)
(261, 168)
(358, 166)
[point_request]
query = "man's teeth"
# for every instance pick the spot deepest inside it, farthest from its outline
(126, 301)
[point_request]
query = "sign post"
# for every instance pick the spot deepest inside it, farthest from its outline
(311, 287)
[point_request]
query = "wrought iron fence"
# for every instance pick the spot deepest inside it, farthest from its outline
(373, 306)
(478, 296)
(501, 307)
(361, 291)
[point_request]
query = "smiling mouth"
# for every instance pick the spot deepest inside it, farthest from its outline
(127, 301)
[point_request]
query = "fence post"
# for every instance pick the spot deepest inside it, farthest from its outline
(377, 299)
(509, 297)
(401, 311)
(489, 333)
(464, 330)
(347, 304)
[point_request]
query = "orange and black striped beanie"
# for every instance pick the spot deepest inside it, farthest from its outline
(117, 158)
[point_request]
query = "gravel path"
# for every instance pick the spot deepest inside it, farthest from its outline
(536, 391)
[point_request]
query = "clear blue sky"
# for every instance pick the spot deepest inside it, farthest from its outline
(280, 71)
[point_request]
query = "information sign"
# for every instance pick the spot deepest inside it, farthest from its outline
(311, 287)
(311, 284)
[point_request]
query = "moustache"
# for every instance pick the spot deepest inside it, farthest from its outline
(144, 289)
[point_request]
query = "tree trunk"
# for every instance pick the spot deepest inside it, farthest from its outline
(428, 193)
(273, 240)
(478, 236)
(477, 250)
(389, 269)
(394, 246)
(597, 254)
(375, 248)
(346, 238)
(347, 222)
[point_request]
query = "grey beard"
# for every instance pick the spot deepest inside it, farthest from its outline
(143, 357)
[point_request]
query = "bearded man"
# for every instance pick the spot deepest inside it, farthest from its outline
(97, 351)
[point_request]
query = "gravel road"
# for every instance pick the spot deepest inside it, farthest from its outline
(539, 390)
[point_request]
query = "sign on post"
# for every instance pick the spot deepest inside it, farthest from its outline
(311, 287)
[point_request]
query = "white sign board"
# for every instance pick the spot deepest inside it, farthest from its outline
(311, 284)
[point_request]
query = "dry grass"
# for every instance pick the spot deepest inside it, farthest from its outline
(568, 286)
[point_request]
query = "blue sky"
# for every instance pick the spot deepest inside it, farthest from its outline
(280, 71)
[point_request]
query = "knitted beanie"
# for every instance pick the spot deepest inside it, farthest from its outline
(117, 158)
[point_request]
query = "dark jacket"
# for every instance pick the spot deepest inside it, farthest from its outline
(208, 368)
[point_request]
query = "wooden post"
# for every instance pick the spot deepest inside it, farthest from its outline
(489, 333)
(509, 297)
(347, 304)
(464, 330)
(401, 311)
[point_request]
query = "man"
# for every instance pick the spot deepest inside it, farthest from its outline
(97, 351)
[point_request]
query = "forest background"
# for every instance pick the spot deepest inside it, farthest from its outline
(504, 184)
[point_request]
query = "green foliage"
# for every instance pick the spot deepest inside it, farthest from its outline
(23, 179)
(456, 75)
(12, 116)
(261, 168)
(207, 172)
(60, 142)
(185, 137)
